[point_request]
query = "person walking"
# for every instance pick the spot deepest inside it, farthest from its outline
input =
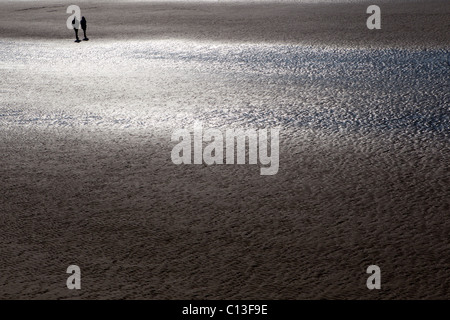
(84, 27)
(76, 25)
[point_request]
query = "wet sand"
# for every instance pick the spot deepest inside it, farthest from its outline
(404, 23)
(86, 176)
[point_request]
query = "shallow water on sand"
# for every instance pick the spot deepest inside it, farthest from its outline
(173, 83)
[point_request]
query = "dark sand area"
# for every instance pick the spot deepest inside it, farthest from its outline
(141, 227)
(422, 23)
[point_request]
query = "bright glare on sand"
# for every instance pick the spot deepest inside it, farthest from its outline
(172, 83)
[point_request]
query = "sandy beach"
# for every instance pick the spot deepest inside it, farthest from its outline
(405, 23)
(87, 178)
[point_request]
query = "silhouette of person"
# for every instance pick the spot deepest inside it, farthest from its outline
(75, 25)
(84, 27)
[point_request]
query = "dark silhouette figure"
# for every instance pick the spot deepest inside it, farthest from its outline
(84, 27)
(75, 25)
